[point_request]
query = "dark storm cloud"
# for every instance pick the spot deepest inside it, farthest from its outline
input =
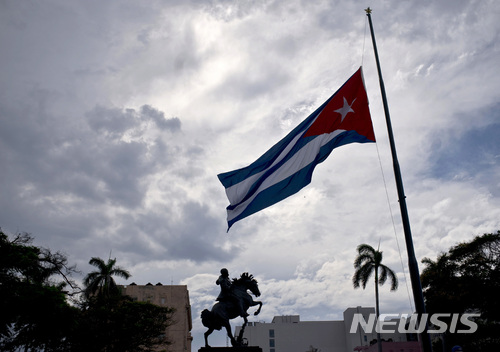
(57, 157)
(64, 168)
(75, 174)
(173, 124)
(181, 229)
(115, 163)
(473, 154)
(111, 120)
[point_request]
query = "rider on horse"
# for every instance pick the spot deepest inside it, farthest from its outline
(234, 301)
(226, 293)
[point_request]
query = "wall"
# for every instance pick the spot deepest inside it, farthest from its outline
(174, 296)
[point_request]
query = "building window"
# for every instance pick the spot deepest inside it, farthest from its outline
(272, 350)
(271, 343)
(271, 333)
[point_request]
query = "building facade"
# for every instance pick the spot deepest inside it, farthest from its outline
(289, 334)
(173, 296)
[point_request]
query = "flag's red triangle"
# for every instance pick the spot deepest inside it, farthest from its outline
(351, 103)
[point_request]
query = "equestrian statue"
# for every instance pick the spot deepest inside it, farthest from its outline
(232, 302)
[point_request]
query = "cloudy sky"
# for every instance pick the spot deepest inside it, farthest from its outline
(116, 117)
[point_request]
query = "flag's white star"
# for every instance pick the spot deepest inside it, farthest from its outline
(345, 109)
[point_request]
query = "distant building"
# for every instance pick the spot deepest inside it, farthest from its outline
(174, 296)
(289, 334)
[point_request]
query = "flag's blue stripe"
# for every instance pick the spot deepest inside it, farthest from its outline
(343, 138)
(298, 145)
(297, 181)
(231, 178)
(276, 193)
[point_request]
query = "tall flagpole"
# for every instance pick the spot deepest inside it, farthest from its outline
(418, 296)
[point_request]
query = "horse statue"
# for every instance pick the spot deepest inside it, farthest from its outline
(225, 310)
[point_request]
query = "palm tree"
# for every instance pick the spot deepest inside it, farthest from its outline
(101, 282)
(367, 262)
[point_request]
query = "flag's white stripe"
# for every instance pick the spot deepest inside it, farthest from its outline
(238, 191)
(302, 158)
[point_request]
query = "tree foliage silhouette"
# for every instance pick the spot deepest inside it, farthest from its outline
(466, 279)
(101, 282)
(34, 311)
(35, 314)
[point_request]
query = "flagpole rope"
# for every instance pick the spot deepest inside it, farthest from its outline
(394, 227)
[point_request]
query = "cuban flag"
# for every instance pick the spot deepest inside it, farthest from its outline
(288, 166)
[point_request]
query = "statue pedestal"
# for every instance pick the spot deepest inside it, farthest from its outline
(231, 349)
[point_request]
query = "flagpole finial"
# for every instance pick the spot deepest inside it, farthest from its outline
(368, 11)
